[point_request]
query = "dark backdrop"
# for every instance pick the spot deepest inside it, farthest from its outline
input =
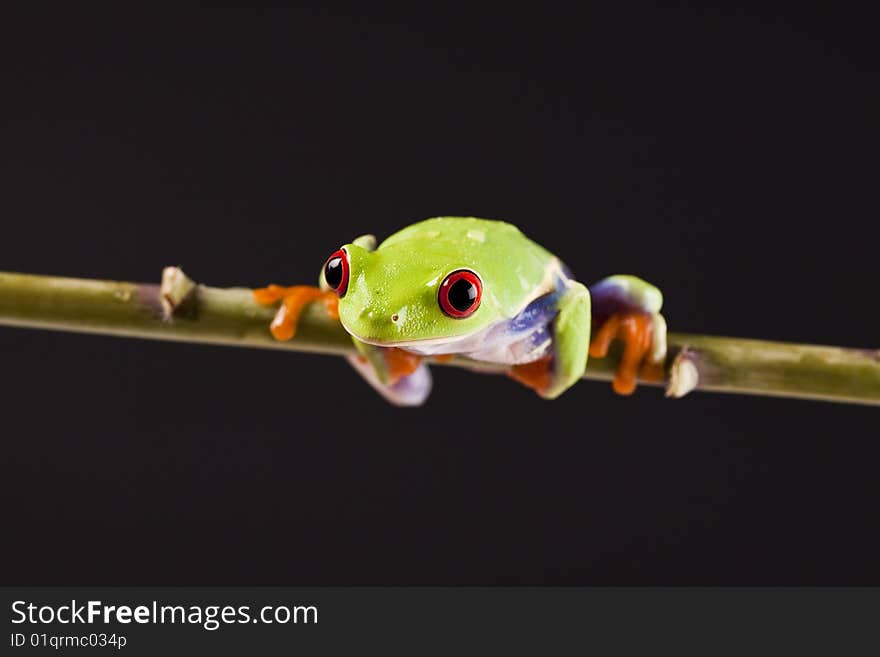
(730, 158)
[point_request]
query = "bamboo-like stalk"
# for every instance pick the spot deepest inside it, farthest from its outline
(180, 310)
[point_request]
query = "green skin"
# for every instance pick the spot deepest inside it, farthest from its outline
(391, 299)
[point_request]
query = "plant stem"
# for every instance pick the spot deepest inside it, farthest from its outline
(180, 310)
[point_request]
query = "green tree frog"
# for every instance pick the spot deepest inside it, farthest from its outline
(478, 288)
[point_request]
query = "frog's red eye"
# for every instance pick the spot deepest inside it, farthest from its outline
(460, 293)
(336, 272)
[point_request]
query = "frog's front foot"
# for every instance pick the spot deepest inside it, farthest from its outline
(398, 375)
(293, 300)
(643, 336)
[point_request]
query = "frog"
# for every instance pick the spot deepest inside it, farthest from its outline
(475, 288)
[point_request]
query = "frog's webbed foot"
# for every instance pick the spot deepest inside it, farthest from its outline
(398, 375)
(293, 300)
(627, 308)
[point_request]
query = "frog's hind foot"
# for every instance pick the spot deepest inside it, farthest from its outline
(636, 330)
(293, 300)
(627, 309)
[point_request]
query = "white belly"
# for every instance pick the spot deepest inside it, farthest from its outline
(496, 344)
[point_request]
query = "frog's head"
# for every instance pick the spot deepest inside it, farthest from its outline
(394, 296)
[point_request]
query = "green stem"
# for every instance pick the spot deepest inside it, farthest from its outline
(179, 310)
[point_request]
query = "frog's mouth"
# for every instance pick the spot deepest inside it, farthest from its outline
(427, 346)
(379, 342)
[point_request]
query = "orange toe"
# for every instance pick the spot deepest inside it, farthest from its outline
(633, 329)
(602, 339)
(293, 300)
(268, 295)
(652, 372)
(535, 375)
(624, 383)
(400, 362)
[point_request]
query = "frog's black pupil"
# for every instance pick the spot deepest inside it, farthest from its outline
(462, 294)
(333, 272)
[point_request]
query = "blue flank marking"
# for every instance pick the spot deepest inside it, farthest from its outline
(532, 327)
(540, 311)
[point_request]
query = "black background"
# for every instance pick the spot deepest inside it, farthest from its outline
(731, 158)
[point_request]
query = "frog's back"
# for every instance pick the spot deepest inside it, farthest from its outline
(517, 269)
(490, 237)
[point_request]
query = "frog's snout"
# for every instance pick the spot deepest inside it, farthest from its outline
(375, 319)
(380, 323)
(382, 319)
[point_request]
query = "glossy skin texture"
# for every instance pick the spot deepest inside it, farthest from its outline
(531, 315)
(391, 298)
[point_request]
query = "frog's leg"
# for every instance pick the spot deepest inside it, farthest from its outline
(293, 300)
(398, 375)
(554, 374)
(627, 308)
